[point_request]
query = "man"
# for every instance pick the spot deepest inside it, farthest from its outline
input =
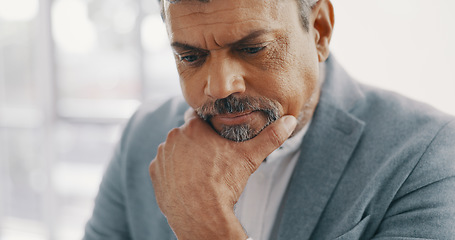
(278, 142)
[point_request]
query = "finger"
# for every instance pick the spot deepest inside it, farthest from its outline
(154, 165)
(194, 125)
(189, 114)
(272, 137)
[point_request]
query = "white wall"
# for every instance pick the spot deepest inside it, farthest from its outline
(403, 45)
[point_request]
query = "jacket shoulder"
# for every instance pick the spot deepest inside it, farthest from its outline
(395, 115)
(153, 121)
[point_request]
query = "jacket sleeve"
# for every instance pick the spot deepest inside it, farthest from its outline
(424, 207)
(109, 218)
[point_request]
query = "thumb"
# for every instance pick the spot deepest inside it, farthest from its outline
(189, 114)
(271, 137)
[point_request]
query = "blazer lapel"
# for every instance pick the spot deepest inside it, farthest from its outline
(325, 151)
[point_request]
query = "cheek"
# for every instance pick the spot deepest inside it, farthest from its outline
(278, 56)
(289, 75)
(192, 88)
(192, 95)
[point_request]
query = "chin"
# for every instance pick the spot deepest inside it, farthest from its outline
(243, 132)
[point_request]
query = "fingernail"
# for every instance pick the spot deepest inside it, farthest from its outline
(290, 123)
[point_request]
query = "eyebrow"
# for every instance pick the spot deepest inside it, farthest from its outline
(244, 40)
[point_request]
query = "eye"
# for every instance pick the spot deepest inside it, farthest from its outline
(192, 58)
(189, 58)
(252, 50)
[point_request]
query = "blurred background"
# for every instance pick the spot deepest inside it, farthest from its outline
(73, 71)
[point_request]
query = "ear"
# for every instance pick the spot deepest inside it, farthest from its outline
(322, 22)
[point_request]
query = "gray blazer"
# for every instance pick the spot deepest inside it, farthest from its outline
(373, 165)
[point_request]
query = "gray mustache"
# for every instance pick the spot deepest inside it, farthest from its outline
(233, 104)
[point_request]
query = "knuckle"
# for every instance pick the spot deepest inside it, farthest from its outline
(192, 123)
(152, 168)
(155, 163)
(173, 133)
(161, 146)
(160, 150)
(189, 114)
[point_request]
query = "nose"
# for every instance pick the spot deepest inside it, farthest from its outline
(225, 77)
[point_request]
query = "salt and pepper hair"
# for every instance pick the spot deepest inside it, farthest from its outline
(305, 7)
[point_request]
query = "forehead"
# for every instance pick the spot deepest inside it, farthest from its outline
(225, 19)
(184, 7)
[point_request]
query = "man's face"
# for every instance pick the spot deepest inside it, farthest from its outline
(243, 64)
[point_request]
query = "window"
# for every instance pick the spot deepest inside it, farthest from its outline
(71, 73)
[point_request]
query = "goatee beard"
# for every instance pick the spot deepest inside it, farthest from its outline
(231, 104)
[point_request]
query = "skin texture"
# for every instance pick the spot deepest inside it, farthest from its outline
(240, 49)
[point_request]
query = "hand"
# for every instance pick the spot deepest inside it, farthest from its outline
(198, 176)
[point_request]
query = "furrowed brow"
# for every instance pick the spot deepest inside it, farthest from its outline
(185, 47)
(251, 36)
(247, 39)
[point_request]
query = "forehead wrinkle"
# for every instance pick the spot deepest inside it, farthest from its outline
(231, 16)
(192, 8)
(239, 36)
(215, 23)
(192, 13)
(219, 26)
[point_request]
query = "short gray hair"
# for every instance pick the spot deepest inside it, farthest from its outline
(305, 7)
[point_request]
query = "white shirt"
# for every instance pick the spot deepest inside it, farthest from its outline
(259, 203)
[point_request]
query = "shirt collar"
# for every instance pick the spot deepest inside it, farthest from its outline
(291, 145)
